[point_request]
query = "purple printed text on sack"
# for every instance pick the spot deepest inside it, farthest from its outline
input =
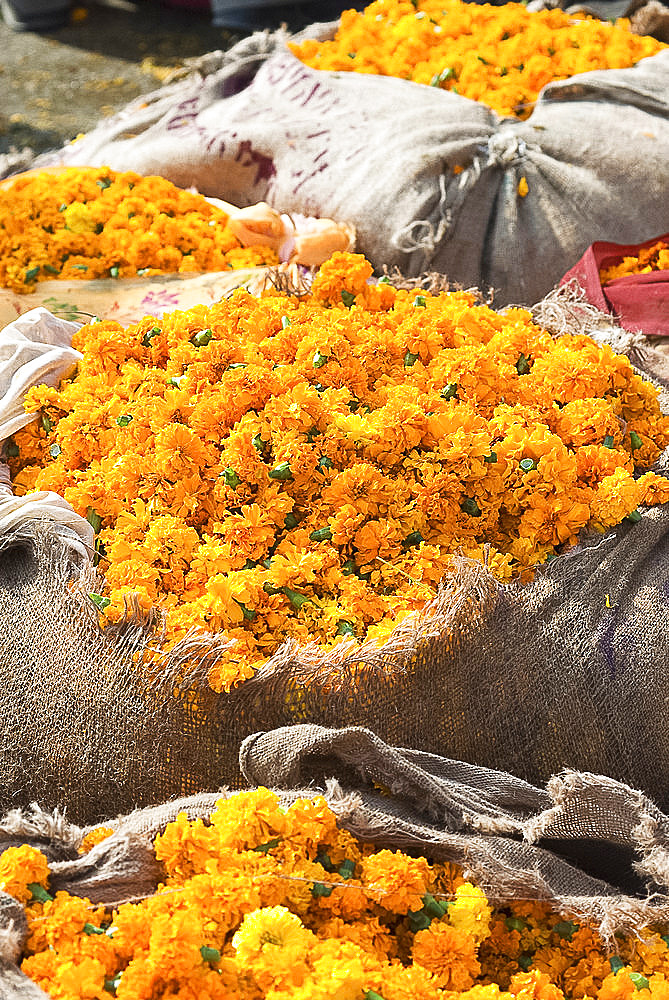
(291, 79)
(184, 115)
(249, 157)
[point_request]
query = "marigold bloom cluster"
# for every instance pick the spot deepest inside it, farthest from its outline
(499, 55)
(652, 258)
(265, 901)
(306, 467)
(93, 222)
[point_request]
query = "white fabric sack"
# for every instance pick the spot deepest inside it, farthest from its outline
(35, 350)
(379, 153)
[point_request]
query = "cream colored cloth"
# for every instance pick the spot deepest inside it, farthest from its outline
(15, 511)
(35, 349)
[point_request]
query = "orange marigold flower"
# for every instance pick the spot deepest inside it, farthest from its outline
(20, 868)
(449, 953)
(615, 497)
(276, 468)
(94, 222)
(502, 58)
(396, 881)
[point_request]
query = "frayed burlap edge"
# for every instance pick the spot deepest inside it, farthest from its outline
(187, 665)
(123, 867)
(566, 310)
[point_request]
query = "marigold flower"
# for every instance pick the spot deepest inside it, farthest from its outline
(470, 911)
(302, 916)
(20, 868)
(305, 467)
(396, 881)
(449, 953)
(652, 258)
(273, 944)
(501, 56)
(94, 222)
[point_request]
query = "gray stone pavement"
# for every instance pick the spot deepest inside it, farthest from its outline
(57, 84)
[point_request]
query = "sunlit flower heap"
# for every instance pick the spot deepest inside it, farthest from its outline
(499, 55)
(92, 222)
(279, 903)
(282, 467)
(652, 258)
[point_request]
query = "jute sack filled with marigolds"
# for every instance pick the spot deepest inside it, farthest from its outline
(328, 506)
(411, 876)
(483, 142)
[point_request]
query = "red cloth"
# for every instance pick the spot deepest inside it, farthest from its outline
(640, 301)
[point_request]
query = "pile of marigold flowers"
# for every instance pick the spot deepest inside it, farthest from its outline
(652, 258)
(501, 56)
(271, 902)
(284, 467)
(93, 222)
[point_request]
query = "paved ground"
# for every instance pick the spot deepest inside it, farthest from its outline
(58, 84)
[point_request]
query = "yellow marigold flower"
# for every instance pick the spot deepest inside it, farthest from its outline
(616, 496)
(343, 272)
(618, 987)
(274, 944)
(94, 222)
(186, 846)
(339, 970)
(490, 991)
(585, 420)
(94, 837)
(652, 258)
(470, 912)
(21, 867)
(233, 922)
(25, 480)
(523, 187)
(248, 819)
(78, 218)
(655, 489)
(61, 922)
(398, 982)
(534, 985)
(310, 823)
(372, 935)
(81, 978)
(42, 968)
(304, 468)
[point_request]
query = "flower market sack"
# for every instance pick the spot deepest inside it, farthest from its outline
(585, 848)
(639, 301)
(565, 672)
(429, 179)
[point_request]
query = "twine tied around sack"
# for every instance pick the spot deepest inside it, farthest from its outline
(503, 150)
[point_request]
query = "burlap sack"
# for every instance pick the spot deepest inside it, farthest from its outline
(377, 152)
(595, 848)
(569, 672)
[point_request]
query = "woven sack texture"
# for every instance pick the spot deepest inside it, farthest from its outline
(596, 848)
(568, 672)
(378, 152)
